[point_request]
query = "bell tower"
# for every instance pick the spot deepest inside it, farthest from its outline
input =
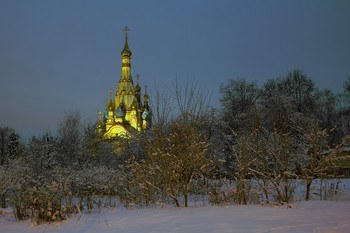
(125, 92)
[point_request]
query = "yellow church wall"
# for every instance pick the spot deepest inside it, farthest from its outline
(116, 131)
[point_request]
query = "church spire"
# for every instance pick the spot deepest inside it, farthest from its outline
(125, 92)
(126, 51)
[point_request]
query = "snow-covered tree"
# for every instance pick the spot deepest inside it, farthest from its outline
(10, 149)
(10, 145)
(35, 183)
(269, 158)
(240, 100)
(175, 159)
(95, 150)
(177, 150)
(319, 160)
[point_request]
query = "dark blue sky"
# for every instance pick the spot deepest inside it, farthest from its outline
(60, 56)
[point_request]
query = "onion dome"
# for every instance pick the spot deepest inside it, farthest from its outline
(119, 112)
(100, 121)
(145, 115)
(99, 125)
(126, 51)
(137, 88)
(110, 106)
(145, 101)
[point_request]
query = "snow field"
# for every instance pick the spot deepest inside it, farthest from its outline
(312, 216)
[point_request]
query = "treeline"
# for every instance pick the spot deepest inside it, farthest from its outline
(254, 149)
(289, 104)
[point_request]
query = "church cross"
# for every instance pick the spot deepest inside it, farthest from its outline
(110, 93)
(126, 30)
(138, 78)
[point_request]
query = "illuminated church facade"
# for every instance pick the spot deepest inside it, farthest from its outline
(127, 112)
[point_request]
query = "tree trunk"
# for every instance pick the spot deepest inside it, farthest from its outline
(175, 198)
(3, 201)
(308, 187)
(2, 151)
(176, 202)
(186, 188)
(186, 200)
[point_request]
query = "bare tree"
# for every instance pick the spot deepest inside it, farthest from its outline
(10, 148)
(239, 101)
(9, 144)
(70, 135)
(319, 160)
(162, 107)
(173, 163)
(302, 90)
(270, 159)
(191, 102)
(344, 109)
(177, 152)
(243, 163)
(346, 94)
(290, 103)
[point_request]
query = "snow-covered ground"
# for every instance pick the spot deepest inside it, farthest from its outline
(313, 216)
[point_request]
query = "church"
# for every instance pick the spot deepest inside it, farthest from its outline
(127, 112)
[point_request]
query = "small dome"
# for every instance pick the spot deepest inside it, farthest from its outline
(137, 88)
(145, 115)
(119, 112)
(99, 125)
(110, 106)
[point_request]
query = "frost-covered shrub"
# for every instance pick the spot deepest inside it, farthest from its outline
(3, 202)
(36, 186)
(96, 186)
(224, 191)
(40, 198)
(15, 184)
(199, 189)
(327, 189)
(177, 156)
(218, 195)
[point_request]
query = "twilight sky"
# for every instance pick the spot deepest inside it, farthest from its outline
(58, 56)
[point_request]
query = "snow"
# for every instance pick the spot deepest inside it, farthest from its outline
(312, 216)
